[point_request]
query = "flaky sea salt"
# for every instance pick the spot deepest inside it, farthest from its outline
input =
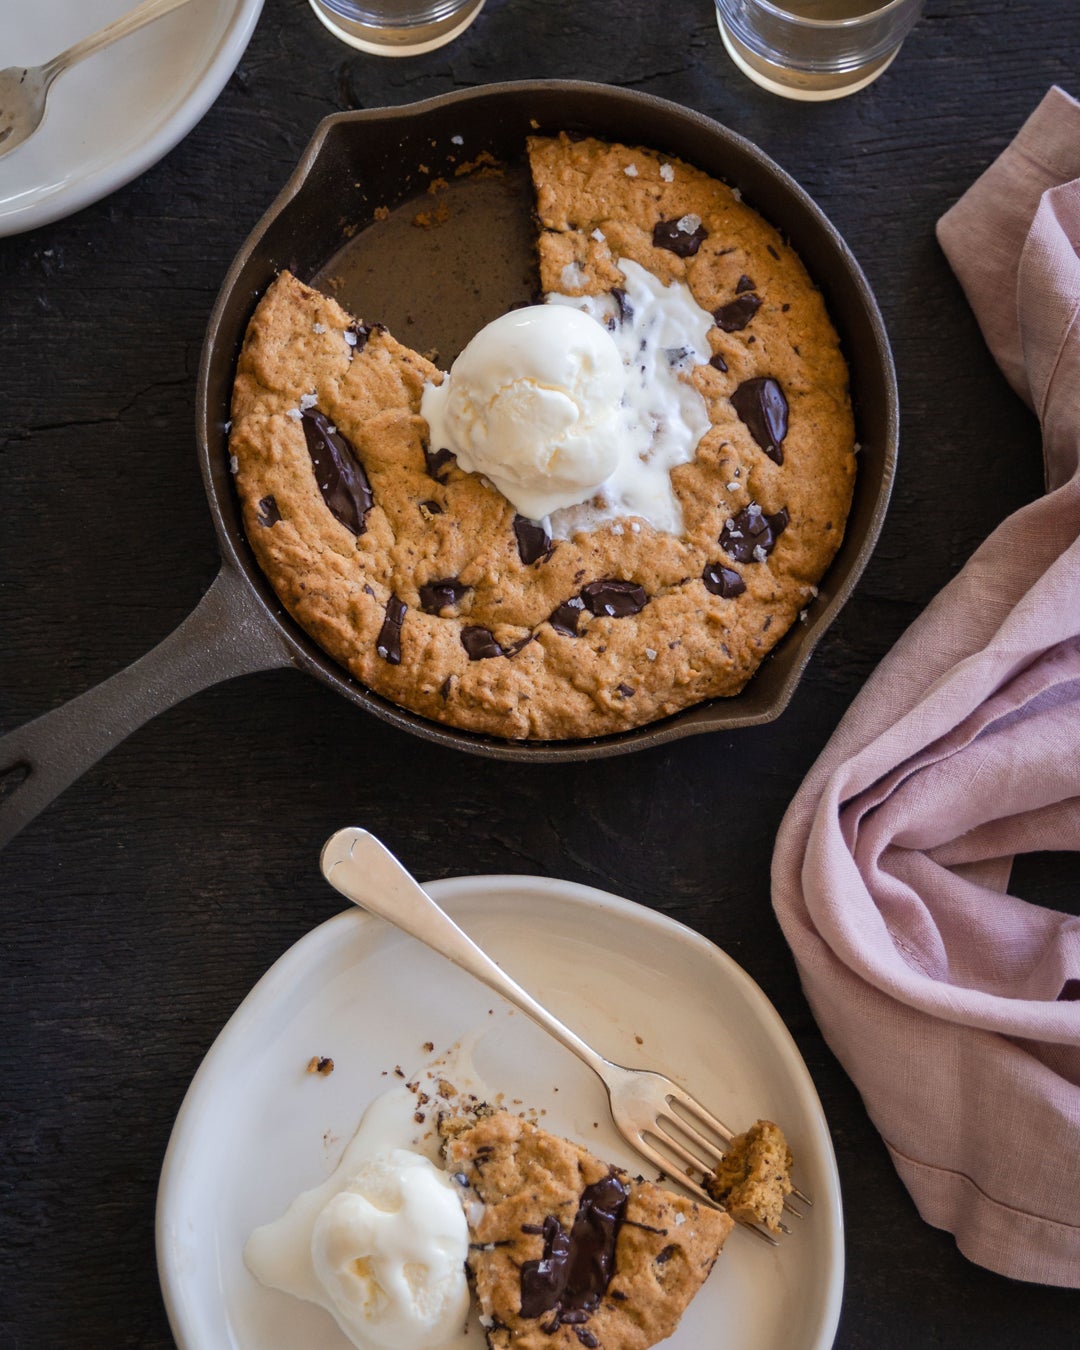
(732, 486)
(318, 328)
(802, 615)
(616, 528)
(349, 336)
(308, 401)
(295, 414)
(759, 553)
(650, 655)
(736, 194)
(234, 464)
(599, 235)
(667, 173)
(457, 140)
(630, 171)
(689, 223)
(635, 526)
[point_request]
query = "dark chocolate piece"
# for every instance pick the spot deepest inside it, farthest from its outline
(717, 362)
(533, 540)
(737, 313)
(436, 596)
(340, 475)
(388, 644)
(480, 643)
(362, 331)
(268, 512)
(683, 243)
(432, 507)
(625, 308)
(750, 530)
(761, 405)
(614, 599)
(565, 618)
(436, 461)
(723, 581)
(744, 284)
(625, 690)
(576, 1268)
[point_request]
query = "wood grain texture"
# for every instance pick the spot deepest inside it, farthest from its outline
(139, 909)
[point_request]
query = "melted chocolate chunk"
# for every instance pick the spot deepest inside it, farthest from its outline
(565, 618)
(362, 331)
(625, 308)
(614, 599)
(340, 475)
(533, 540)
(737, 313)
(436, 596)
(576, 1267)
(480, 643)
(744, 284)
(722, 581)
(432, 507)
(750, 530)
(683, 243)
(268, 514)
(717, 362)
(761, 405)
(388, 644)
(436, 461)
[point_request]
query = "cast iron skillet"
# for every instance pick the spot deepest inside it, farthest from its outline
(445, 281)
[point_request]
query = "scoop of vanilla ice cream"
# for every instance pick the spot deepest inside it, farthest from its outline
(389, 1249)
(532, 402)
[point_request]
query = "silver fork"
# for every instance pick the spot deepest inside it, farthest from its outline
(651, 1112)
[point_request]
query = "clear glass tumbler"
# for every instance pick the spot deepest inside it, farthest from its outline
(397, 27)
(814, 49)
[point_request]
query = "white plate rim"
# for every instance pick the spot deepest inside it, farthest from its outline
(827, 1208)
(117, 173)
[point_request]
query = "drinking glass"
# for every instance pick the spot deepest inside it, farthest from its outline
(397, 27)
(814, 49)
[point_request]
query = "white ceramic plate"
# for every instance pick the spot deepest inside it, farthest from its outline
(255, 1129)
(116, 113)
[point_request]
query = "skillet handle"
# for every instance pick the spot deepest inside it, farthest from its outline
(225, 635)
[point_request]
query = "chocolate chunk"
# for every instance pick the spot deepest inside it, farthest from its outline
(717, 362)
(723, 581)
(737, 313)
(518, 646)
(625, 308)
(751, 530)
(762, 406)
(576, 1267)
(665, 1254)
(432, 507)
(340, 475)
(362, 331)
(436, 461)
(389, 641)
(436, 596)
(744, 284)
(773, 252)
(615, 599)
(683, 243)
(533, 540)
(625, 690)
(268, 514)
(480, 643)
(565, 618)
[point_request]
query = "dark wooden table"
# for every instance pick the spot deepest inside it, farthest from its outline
(139, 909)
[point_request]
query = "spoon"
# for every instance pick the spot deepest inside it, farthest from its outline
(24, 89)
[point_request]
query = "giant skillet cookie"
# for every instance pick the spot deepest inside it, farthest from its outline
(425, 583)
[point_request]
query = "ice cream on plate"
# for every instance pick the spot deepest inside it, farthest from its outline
(381, 1245)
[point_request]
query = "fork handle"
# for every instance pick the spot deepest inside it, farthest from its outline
(364, 870)
(135, 19)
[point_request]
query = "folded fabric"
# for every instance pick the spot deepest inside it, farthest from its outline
(954, 1006)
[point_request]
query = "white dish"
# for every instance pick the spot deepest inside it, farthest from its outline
(115, 114)
(255, 1129)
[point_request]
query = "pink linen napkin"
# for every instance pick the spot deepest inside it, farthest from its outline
(954, 1006)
